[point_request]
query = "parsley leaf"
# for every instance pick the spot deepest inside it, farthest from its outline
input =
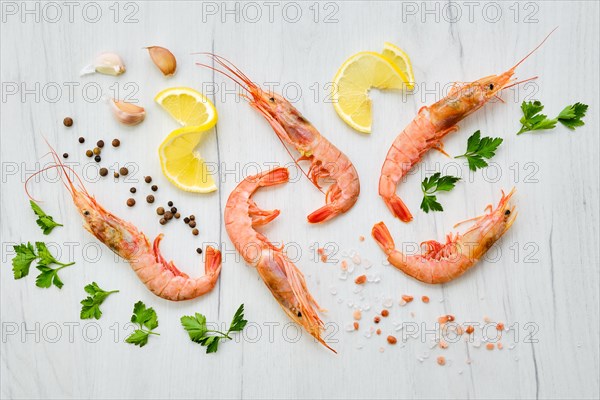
(196, 328)
(44, 255)
(138, 338)
(45, 221)
(145, 318)
(26, 255)
(532, 120)
(429, 203)
(571, 116)
(49, 276)
(23, 259)
(436, 183)
(238, 323)
(91, 304)
(212, 344)
(479, 148)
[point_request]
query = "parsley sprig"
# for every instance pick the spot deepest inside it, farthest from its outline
(532, 120)
(45, 221)
(199, 333)
(91, 304)
(478, 149)
(147, 321)
(436, 183)
(571, 116)
(26, 254)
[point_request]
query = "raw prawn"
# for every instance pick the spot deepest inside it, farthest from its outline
(431, 125)
(281, 276)
(326, 160)
(161, 277)
(442, 263)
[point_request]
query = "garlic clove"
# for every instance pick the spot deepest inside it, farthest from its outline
(163, 59)
(127, 113)
(105, 63)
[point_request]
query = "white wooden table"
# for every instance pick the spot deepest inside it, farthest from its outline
(541, 280)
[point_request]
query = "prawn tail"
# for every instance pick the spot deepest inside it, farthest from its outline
(212, 262)
(323, 214)
(382, 236)
(398, 208)
(276, 176)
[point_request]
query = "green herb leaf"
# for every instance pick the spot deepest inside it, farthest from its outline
(145, 318)
(212, 345)
(531, 108)
(429, 203)
(25, 254)
(45, 221)
(571, 116)
(48, 277)
(45, 257)
(238, 323)
(447, 183)
(91, 304)
(532, 120)
(196, 328)
(138, 338)
(479, 148)
(436, 183)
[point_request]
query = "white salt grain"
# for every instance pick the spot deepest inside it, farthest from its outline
(388, 302)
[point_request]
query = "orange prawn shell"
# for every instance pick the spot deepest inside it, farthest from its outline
(444, 262)
(161, 277)
(292, 128)
(431, 125)
(283, 279)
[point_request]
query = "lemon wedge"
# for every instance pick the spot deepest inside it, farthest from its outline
(182, 164)
(188, 107)
(354, 79)
(400, 59)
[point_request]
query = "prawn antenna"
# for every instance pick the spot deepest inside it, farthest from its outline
(58, 164)
(519, 82)
(223, 73)
(533, 51)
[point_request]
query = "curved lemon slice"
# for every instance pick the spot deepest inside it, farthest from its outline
(188, 107)
(400, 59)
(182, 164)
(354, 79)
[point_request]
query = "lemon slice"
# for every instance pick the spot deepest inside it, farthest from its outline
(188, 107)
(354, 79)
(182, 164)
(400, 59)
